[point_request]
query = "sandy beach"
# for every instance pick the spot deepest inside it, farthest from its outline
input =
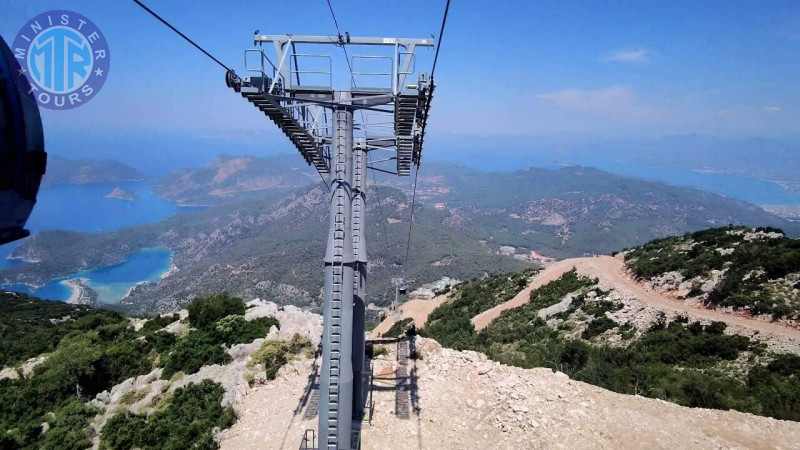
(77, 290)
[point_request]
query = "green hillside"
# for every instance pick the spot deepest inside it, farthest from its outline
(268, 241)
(756, 270)
(686, 363)
(82, 352)
(62, 171)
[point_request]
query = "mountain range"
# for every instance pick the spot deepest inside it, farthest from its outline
(61, 171)
(266, 239)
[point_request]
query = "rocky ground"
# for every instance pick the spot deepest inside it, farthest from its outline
(143, 394)
(462, 401)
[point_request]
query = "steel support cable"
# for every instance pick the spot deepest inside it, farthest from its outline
(441, 33)
(380, 206)
(169, 25)
(427, 110)
(197, 46)
(433, 71)
(341, 41)
(411, 222)
(347, 60)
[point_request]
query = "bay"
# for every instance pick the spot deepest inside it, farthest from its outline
(85, 208)
(111, 283)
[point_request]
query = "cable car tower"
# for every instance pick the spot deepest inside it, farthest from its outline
(295, 91)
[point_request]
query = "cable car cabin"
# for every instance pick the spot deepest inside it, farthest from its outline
(22, 155)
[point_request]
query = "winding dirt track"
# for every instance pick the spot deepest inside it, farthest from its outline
(611, 269)
(416, 309)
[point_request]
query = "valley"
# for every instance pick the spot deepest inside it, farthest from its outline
(264, 232)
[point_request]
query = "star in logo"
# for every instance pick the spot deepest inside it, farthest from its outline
(21, 71)
(98, 72)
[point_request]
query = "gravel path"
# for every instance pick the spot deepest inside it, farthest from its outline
(611, 270)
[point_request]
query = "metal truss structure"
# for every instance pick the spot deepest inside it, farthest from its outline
(295, 90)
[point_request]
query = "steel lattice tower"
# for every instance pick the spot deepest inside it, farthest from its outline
(320, 122)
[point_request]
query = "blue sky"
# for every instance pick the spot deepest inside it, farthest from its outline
(521, 69)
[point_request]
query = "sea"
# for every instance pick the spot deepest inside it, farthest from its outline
(740, 187)
(85, 208)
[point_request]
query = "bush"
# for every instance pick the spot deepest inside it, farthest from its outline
(398, 328)
(204, 311)
(158, 322)
(69, 429)
(275, 354)
(234, 329)
(191, 352)
(161, 341)
(187, 421)
(598, 326)
(379, 350)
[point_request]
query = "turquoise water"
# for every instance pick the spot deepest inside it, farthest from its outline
(85, 208)
(111, 282)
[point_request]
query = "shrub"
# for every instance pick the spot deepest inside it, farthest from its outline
(379, 350)
(398, 328)
(191, 352)
(158, 322)
(235, 330)
(123, 360)
(598, 326)
(204, 311)
(132, 397)
(69, 428)
(161, 341)
(187, 421)
(275, 354)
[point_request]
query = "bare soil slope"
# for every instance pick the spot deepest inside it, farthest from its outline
(419, 310)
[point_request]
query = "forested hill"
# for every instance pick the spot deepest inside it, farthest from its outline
(748, 269)
(61, 171)
(229, 177)
(75, 378)
(269, 242)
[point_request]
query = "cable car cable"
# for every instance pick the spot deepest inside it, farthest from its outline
(153, 13)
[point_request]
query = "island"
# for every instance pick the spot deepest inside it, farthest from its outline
(122, 194)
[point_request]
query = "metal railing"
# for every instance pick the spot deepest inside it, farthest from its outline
(309, 441)
(261, 69)
(329, 72)
(412, 65)
(357, 74)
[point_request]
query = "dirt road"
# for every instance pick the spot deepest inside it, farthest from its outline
(415, 309)
(611, 269)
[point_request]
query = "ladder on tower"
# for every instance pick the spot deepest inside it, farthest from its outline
(306, 144)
